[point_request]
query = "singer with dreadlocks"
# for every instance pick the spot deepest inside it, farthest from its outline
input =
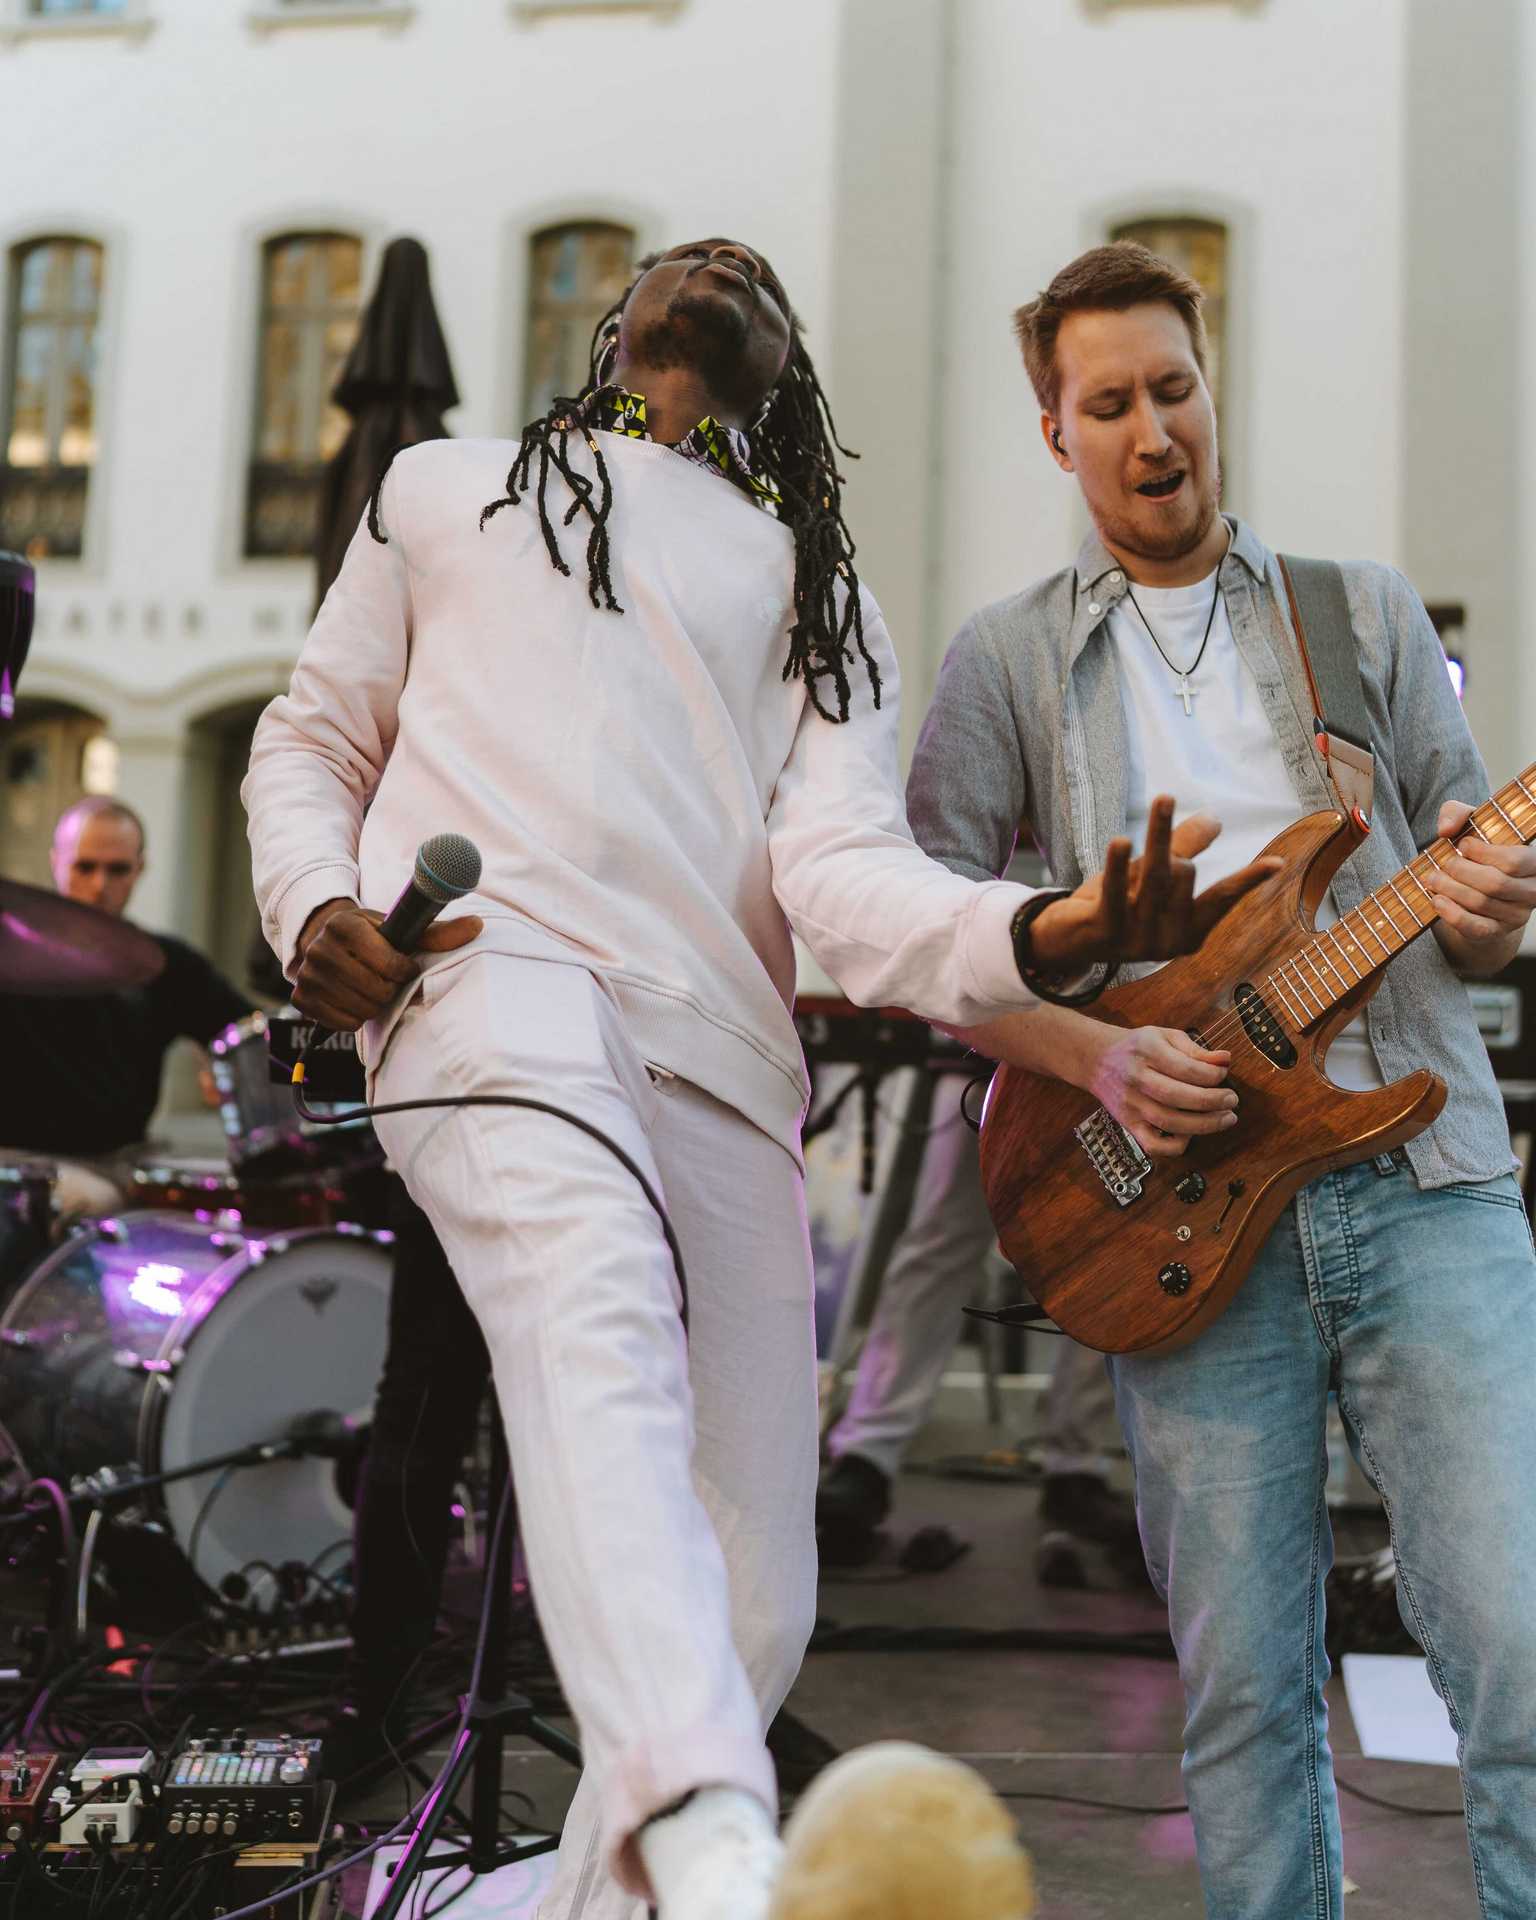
(630, 659)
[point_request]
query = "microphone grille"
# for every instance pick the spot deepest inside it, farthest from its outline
(447, 866)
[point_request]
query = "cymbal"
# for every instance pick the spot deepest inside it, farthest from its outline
(54, 946)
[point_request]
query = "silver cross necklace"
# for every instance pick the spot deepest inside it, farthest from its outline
(1186, 692)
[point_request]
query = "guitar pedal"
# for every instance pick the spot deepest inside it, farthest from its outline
(26, 1780)
(255, 1790)
(104, 1795)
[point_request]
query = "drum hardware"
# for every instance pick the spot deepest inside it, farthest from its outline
(128, 1342)
(265, 1132)
(491, 1712)
(235, 1203)
(137, 1363)
(26, 1217)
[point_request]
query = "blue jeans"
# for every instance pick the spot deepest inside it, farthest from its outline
(1419, 1310)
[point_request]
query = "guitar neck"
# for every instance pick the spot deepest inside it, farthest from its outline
(1363, 941)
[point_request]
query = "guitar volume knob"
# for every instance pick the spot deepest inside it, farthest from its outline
(1175, 1278)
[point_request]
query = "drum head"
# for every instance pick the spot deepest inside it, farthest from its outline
(83, 1332)
(267, 1342)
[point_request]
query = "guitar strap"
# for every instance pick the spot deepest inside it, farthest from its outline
(1320, 617)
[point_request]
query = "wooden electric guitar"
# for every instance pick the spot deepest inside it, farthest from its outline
(1134, 1255)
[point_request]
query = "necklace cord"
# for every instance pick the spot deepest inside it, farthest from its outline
(1210, 621)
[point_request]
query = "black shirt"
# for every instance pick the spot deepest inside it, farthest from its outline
(83, 1075)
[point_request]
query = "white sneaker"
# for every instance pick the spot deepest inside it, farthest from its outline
(718, 1858)
(895, 1832)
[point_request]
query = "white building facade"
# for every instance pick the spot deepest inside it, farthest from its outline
(1362, 172)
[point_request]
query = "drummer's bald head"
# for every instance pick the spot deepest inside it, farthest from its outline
(98, 852)
(96, 806)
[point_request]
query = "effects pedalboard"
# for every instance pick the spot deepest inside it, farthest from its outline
(244, 1788)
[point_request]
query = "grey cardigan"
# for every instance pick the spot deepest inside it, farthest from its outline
(1028, 723)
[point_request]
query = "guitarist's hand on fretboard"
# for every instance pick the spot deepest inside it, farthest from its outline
(1484, 895)
(1144, 909)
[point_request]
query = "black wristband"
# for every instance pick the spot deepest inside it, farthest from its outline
(1046, 986)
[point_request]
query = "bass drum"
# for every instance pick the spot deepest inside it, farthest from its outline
(157, 1340)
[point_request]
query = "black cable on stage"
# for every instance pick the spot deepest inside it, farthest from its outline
(1082, 1800)
(1399, 1806)
(830, 1638)
(210, 1500)
(1125, 1806)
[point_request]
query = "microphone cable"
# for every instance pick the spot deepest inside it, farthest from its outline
(588, 1127)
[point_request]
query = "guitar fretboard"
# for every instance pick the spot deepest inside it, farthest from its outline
(1362, 941)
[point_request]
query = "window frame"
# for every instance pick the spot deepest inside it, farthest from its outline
(1109, 9)
(536, 12)
(16, 246)
(18, 23)
(1209, 224)
(531, 235)
(279, 16)
(1238, 218)
(262, 313)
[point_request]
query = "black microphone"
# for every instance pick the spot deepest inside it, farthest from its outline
(447, 867)
(324, 1435)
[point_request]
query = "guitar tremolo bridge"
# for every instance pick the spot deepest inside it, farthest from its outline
(1117, 1158)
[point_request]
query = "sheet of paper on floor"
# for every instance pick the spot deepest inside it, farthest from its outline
(1397, 1713)
(511, 1893)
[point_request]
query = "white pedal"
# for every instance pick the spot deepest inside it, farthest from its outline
(104, 1798)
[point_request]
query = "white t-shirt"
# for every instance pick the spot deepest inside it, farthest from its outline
(1223, 758)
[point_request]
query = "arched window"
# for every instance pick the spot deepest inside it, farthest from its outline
(1200, 248)
(311, 293)
(575, 273)
(50, 395)
(48, 758)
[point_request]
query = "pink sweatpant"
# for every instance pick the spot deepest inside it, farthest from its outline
(665, 1489)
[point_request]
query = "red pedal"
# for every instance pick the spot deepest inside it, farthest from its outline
(26, 1779)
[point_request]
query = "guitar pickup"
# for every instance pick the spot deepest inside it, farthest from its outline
(1117, 1157)
(1261, 1026)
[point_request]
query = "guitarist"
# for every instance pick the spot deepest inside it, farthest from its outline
(1163, 660)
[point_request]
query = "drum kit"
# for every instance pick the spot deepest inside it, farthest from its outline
(195, 1372)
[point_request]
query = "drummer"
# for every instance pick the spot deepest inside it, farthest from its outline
(82, 1074)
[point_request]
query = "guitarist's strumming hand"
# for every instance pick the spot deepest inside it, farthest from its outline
(1144, 909)
(1162, 1087)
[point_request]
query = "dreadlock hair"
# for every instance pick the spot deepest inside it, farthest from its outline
(795, 475)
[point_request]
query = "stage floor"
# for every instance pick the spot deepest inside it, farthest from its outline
(1098, 1725)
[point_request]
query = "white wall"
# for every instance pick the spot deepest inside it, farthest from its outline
(1460, 477)
(1286, 121)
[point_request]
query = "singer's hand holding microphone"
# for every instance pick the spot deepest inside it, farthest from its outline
(354, 961)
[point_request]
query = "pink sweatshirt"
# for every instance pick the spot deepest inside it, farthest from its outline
(652, 800)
